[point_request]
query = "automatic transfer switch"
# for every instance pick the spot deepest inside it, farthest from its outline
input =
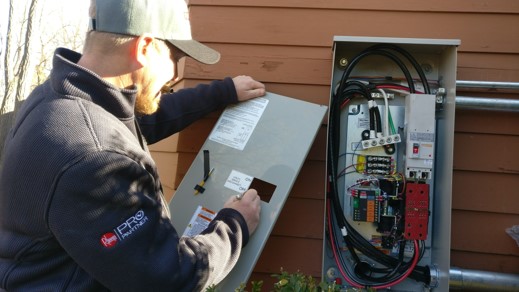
(389, 164)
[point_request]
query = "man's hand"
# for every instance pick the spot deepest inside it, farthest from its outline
(249, 205)
(247, 88)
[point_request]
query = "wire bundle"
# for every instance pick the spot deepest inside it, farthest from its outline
(393, 270)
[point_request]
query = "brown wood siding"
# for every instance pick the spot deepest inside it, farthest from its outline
(287, 45)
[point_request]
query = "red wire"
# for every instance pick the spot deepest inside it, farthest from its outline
(407, 273)
(396, 87)
(335, 256)
(343, 273)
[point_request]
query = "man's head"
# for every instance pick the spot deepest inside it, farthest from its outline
(137, 44)
(163, 19)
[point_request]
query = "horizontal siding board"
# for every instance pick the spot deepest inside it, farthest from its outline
(292, 254)
(485, 152)
(487, 74)
(284, 26)
(309, 68)
(169, 144)
(483, 232)
(490, 60)
(167, 164)
(318, 94)
(192, 138)
(484, 122)
(310, 183)
(485, 192)
(303, 218)
(485, 262)
(494, 6)
(318, 149)
(184, 162)
(168, 193)
(264, 67)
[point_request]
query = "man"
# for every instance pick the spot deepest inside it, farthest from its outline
(81, 204)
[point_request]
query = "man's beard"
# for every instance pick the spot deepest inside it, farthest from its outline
(146, 103)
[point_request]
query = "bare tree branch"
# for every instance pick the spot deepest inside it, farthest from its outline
(7, 58)
(27, 63)
(24, 65)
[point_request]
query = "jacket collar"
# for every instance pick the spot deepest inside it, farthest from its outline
(70, 79)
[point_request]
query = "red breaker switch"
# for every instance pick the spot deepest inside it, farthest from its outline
(416, 211)
(416, 150)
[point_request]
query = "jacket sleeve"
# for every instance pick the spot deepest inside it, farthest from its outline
(179, 109)
(109, 217)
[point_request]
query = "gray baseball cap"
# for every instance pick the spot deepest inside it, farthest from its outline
(164, 19)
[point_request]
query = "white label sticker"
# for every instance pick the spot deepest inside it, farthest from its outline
(199, 222)
(237, 123)
(238, 181)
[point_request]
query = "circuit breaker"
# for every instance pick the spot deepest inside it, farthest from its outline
(389, 163)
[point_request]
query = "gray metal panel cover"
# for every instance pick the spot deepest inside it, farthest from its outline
(273, 152)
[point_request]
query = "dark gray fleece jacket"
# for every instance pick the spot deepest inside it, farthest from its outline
(81, 204)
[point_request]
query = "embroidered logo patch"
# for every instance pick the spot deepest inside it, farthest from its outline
(109, 239)
(123, 231)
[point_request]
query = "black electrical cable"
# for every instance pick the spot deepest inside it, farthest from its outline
(353, 238)
(409, 57)
(340, 222)
(384, 53)
(378, 120)
(361, 86)
(374, 112)
(352, 277)
(392, 272)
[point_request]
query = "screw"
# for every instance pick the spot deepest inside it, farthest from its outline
(343, 62)
(427, 68)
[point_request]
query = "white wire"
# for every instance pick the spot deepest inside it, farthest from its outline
(386, 115)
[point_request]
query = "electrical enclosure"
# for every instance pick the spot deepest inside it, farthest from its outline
(389, 163)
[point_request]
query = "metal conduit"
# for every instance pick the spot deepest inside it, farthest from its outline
(487, 84)
(484, 103)
(462, 279)
(474, 280)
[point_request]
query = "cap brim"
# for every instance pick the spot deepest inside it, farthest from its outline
(197, 51)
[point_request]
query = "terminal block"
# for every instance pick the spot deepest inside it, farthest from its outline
(380, 141)
(372, 164)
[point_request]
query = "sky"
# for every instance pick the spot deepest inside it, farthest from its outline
(58, 19)
(55, 14)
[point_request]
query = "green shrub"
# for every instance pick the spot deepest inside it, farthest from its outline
(288, 282)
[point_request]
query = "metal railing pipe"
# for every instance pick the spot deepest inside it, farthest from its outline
(486, 103)
(474, 280)
(487, 84)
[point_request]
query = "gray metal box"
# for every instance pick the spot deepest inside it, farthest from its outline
(437, 58)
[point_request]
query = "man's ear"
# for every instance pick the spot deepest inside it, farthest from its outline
(142, 48)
